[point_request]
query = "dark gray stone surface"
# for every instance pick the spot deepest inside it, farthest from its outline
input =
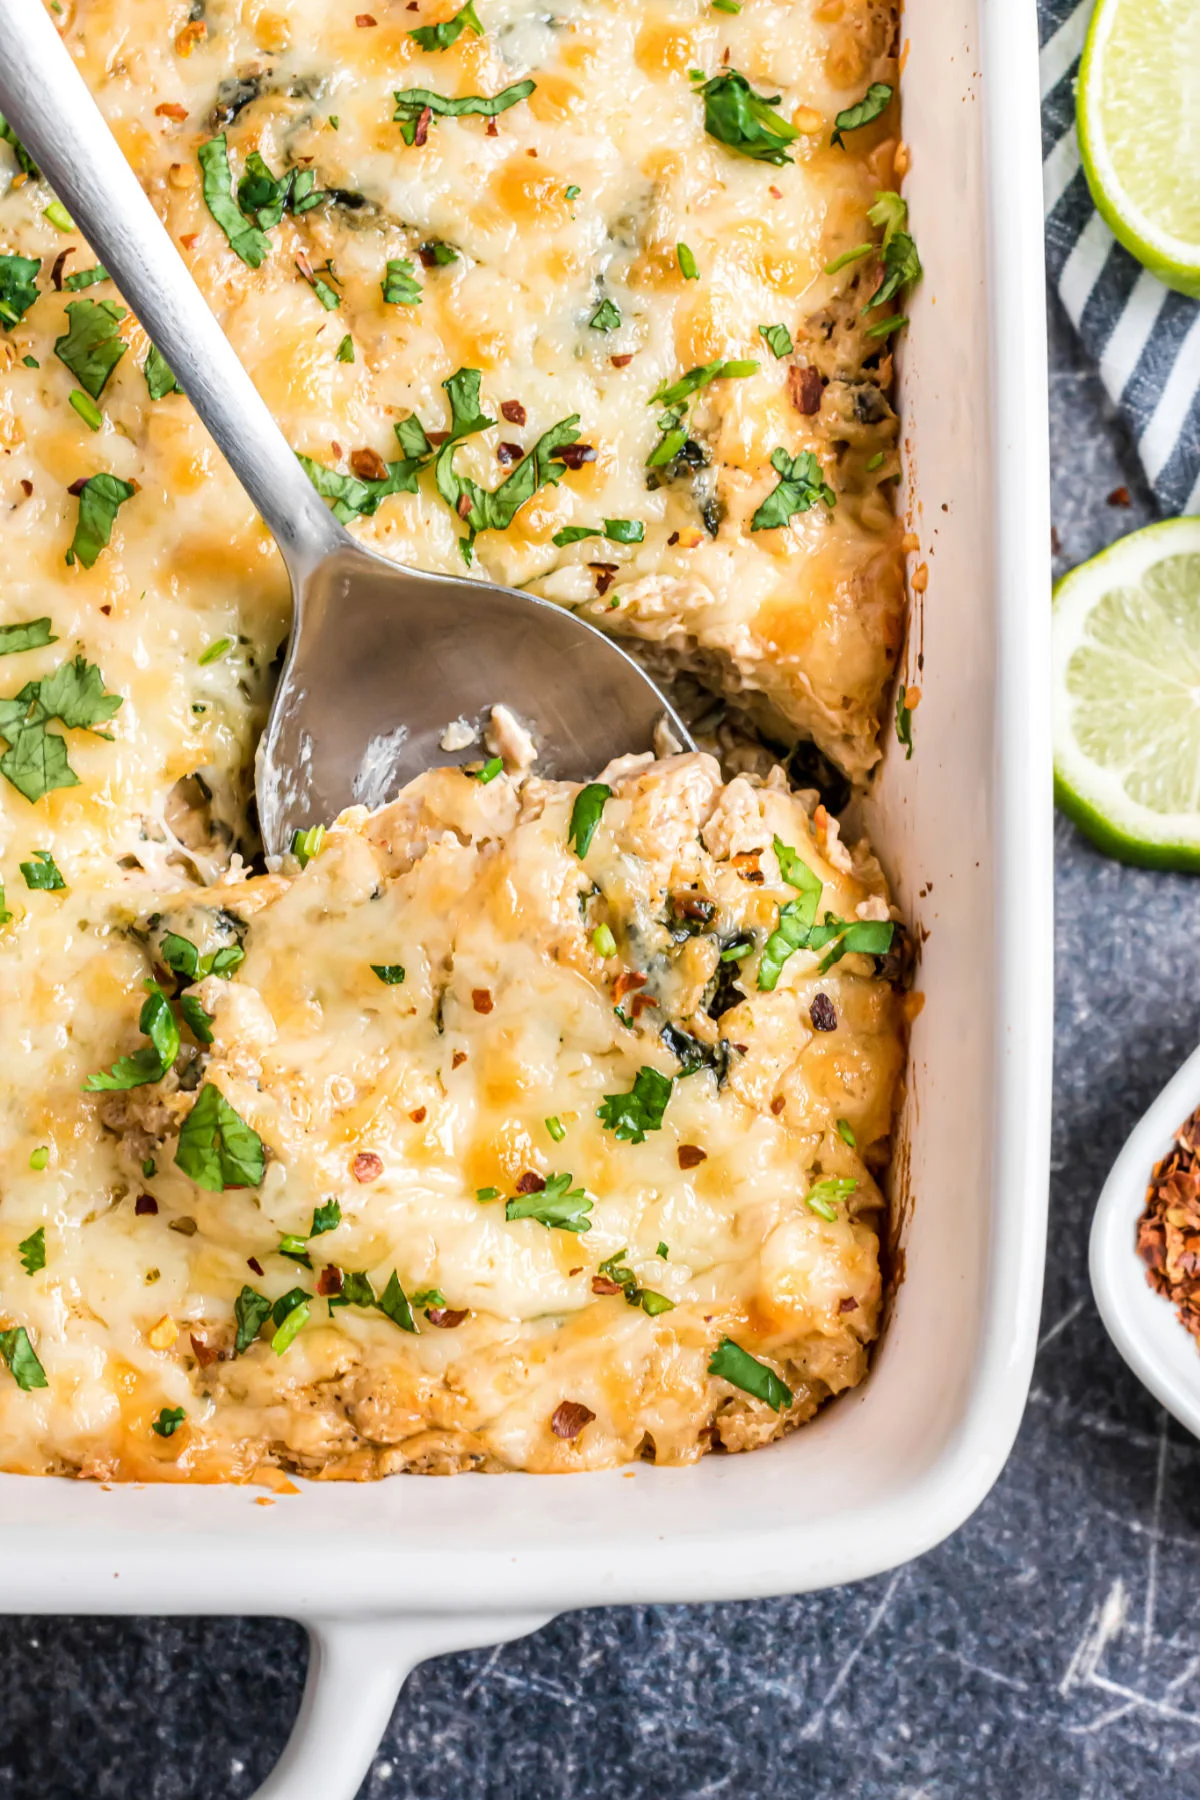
(1050, 1650)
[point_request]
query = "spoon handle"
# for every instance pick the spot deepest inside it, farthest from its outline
(43, 97)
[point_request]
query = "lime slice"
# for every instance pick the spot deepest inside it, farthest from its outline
(1127, 696)
(1138, 106)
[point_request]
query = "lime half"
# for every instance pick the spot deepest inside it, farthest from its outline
(1139, 129)
(1127, 696)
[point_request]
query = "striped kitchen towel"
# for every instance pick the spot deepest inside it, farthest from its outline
(1144, 339)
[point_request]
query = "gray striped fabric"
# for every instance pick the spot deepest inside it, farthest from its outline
(1144, 339)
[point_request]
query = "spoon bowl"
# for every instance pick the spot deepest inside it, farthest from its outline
(381, 658)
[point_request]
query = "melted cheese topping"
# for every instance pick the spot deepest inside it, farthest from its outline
(422, 1107)
(472, 888)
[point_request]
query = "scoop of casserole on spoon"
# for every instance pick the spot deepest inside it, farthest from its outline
(381, 658)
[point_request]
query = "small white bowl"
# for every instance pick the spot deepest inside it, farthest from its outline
(1142, 1324)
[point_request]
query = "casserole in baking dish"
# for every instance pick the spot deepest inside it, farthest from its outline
(396, 1570)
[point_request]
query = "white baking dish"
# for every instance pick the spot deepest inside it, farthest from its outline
(387, 1574)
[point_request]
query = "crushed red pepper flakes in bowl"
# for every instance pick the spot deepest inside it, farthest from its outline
(367, 1166)
(1168, 1233)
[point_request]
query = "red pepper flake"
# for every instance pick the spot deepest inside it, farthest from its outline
(464, 506)
(145, 1204)
(775, 193)
(305, 267)
(367, 1166)
(509, 453)
(481, 999)
(253, 1263)
(575, 455)
(493, 130)
(601, 1284)
(513, 411)
(805, 388)
(336, 448)
(171, 109)
(778, 1104)
(56, 273)
(531, 153)
(418, 1115)
(673, 539)
(107, 611)
(422, 132)
(606, 574)
(27, 489)
(578, 1271)
(847, 1304)
(1120, 497)
(189, 240)
(569, 1418)
(625, 983)
(690, 1156)
(621, 362)
(363, 20)
(446, 1318)
(329, 1281)
(458, 1059)
(203, 1352)
(368, 465)
(437, 437)
(530, 1182)
(746, 865)
(640, 1002)
(823, 1013)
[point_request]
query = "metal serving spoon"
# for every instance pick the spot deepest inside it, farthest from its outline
(381, 658)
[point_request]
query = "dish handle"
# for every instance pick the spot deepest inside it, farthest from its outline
(356, 1668)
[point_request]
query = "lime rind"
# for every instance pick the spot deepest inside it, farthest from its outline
(1127, 696)
(1174, 260)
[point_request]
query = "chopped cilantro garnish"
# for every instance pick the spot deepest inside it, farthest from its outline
(744, 120)
(701, 377)
(391, 974)
(585, 815)
(412, 104)
(42, 874)
(800, 486)
(687, 263)
(100, 499)
(399, 288)
(198, 1021)
(156, 1021)
(852, 118)
(796, 917)
(182, 956)
(641, 1110)
(91, 347)
(217, 1149)
(295, 1249)
(245, 240)
(326, 1217)
(778, 339)
(607, 316)
(613, 1269)
(492, 767)
(34, 634)
(484, 1194)
(18, 287)
(847, 257)
(558, 1206)
(345, 350)
(36, 759)
(885, 327)
(168, 1421)
(427, 1297)
(33, 1251)
(484, 509)
(21, 1358)
(735, 1365)
(617, 531)
(662, 1252)
(251, 1310)
(160, 376)
(393, 1304)
(441, 37)
(86, 278)
(25, 162)
(440, 254)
